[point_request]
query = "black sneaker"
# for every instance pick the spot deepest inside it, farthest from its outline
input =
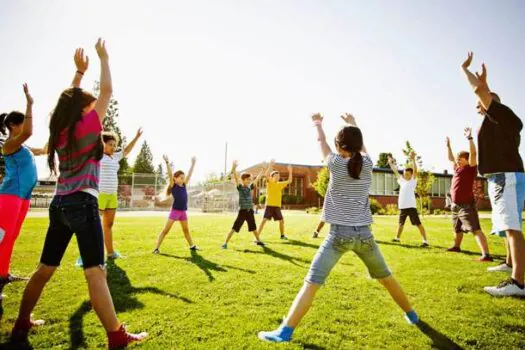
(424, 245)
(260, 244)
(284, 237)
(194, 248)
(315, 235)
(396, 240)
(156, 251)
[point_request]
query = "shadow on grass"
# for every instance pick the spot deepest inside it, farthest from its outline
(436, 247)
(276, 254)
(312, 346)
(124, 299)
(205, 265)
(300, 244)
(439, 340)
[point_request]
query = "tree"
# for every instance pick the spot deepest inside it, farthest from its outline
(110, 123)
(321, 183)
(144, 161)
(406, 152)
(382, 162)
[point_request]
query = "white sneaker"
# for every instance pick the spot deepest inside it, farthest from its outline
(506, 289)
(500, 268)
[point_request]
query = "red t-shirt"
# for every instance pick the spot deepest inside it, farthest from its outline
(462, 188)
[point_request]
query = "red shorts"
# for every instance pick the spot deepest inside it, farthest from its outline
(178, 215)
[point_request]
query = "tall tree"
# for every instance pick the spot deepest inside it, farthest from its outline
(382, 162)
(321, 183)
(144, 161)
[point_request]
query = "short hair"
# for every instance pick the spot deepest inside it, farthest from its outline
(464, 154)
(409, 170)
(274, 172)
(178, 173)
(495, 96)
(109, 136)
(245, 176)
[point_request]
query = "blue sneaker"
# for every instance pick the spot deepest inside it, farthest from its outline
(224, 246)
(280, 335)
(411, 317)
(115, 255)
(79, 262)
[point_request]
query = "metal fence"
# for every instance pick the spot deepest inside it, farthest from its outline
(146, 192)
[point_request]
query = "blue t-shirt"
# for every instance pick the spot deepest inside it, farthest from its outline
(180, 197)
(20, 174)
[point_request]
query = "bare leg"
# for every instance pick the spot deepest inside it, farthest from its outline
(263, 222)
(508, 258)
(34, 289)
(517, 250)
(281, 227)
(423, 232)
(229, 236)
(186, 231)
(164, 232)
(482, 242)
(101, 298)
(301, 305)
(108, 218)
(320, 226)
(396, 292)
(400, 231)
(458, 238)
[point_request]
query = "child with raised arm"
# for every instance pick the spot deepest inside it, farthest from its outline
(347, 209)
(75, 140)
(178, 182)
(407, 198)
(108, 186)
(17, 185)
(463, 204)
(274, 195)
(499, 160)
(245, 188)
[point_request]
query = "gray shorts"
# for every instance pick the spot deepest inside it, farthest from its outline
(340, 240)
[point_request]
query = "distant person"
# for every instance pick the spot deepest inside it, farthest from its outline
(500, 162)
(407, 198)
(347, 209)
(245, 187)
(177, 188)
(465, 216)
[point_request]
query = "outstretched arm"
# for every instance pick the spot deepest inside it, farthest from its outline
(473, 154)
(168, 169)
(450, 154)
(321, 137)
(258, 177)
(393, 166)
(14, 143)
(190, 172)
(82, 64)
(130, 146)
(234, 172)
(350, 120)
(290, 175)
(106, 86)
(414, 164)
(269, 169)
(478, 82)
(39, 151)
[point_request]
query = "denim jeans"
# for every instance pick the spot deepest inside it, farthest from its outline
(77, 214)
(340, 240)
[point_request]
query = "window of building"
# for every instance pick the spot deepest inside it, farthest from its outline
(296, 188)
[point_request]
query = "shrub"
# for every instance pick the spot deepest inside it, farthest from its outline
(375, 206)
(313, 210)
(391, 209)
(262, 199)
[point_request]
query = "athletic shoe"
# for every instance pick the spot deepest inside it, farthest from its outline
(115, 255)
(14, 278)
(194, 248)
(411, 317)
(280, 335)
(121, 338)
(507, 288)
(500, 268)
(454, 249)
(22, 328)
(396, 240)
(260, 244)
(79, 262)
(156, 251)
(424, 245)
(486, 258)
(315, 235)
(224, 246)
(284, 237)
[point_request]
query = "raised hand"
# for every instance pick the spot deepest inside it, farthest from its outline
(139, 133)
(448, 141)
(483, 76)
(235, 164)
(390, 160)
(412, 155)
(166, 159)
(289, 168)
(81, 61)
(29, 98)
(468, 133)
(100, 46)
(468, 61)
(348, 118)
(317, 117)
(193, 160)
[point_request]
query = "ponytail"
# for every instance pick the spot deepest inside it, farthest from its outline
(3, 130)
(355, 165)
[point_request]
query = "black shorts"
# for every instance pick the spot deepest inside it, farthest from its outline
(465, 218)
(412, 213)
(245, 215)
(273, 213)
(77, 214)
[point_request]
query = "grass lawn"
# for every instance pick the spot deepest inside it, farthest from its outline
(220, 299)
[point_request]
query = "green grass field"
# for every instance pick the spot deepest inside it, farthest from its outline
(220, 299)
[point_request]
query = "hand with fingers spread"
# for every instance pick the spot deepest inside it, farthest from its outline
(81, 61)
(468, 133)
(483, 76)
(468, 61)
(348, 118)
(166, 159)
(448, 141)
(193, 160)
(139, 133)
(317, 118)
(29, 98)
(100, 46)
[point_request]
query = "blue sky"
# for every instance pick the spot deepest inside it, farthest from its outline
(196, 74)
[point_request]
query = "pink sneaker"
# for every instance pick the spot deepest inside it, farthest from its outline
(121, 338)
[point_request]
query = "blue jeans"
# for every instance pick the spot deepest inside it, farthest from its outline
(77, 214)
(340, 240)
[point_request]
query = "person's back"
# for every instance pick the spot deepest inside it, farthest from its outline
(21, 175)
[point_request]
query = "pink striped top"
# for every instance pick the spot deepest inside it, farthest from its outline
(82, 171)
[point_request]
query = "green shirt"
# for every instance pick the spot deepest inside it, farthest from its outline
(245, 196)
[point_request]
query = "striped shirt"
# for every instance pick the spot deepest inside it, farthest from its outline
(109, 166)
(81, 173)
(346, 201)
(245, 196)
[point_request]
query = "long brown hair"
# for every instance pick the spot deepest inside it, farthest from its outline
(171, 185)
(350, 139)
(65, 116)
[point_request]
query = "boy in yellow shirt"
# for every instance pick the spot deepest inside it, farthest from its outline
(274, 195)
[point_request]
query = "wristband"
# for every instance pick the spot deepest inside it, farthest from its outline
(318, 122)
(470, 138)
(79, 72)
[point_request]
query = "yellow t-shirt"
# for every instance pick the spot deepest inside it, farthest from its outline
(274, 193)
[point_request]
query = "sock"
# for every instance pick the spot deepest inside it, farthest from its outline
(286, 332)
(412, 317)
(520, 286)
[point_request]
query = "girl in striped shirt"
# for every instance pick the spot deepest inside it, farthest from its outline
(347, 209)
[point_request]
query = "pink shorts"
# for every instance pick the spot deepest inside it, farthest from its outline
(178, 215)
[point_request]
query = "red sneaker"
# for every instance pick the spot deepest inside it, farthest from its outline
(486, 258)
(454, 249)
(121, 338)
(22, 327)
